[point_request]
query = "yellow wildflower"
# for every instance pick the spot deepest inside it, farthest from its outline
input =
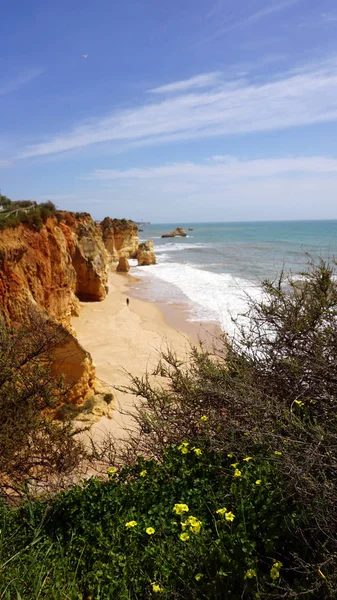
(130, 524)
(258, 482)
(234, 465)
(250, 574)
(321, 574)
(156, 587)
(183, 447)
(299, 402)
(198, 576)
(143, 473)
(197, 451)
(112, 470)
(237, 473)
(195, 524)
(229, 516)
(184, 537)
(204, 418)
(150, 531)
(275, 570)
(248, 458)
(278, 453)
(221, 511)
(179, 509)
(230, 455)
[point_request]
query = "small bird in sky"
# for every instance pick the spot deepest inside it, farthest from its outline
(84, 55)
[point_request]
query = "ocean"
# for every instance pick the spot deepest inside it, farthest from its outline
(212, 270)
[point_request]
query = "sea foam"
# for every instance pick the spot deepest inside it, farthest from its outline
(209, 296)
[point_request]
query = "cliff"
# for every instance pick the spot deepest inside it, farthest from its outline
(120, 237)
(50, 270)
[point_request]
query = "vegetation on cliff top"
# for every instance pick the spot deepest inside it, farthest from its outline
(118, 224)
(30, 213)
(237, 496)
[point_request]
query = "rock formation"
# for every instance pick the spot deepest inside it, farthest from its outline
(178, 232)
(120, 237)
(123, 265)
(49, 270)
(145, 254)
(90, 259)
(190, 229)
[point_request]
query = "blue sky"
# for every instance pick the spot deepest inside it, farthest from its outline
(182, 111)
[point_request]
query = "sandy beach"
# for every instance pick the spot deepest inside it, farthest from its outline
(124, 339)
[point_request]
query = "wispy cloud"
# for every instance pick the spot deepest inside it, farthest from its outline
(223, 169)
(268, 10)
(224, 188)
(227, 22)
(6, 163)
(14, 84)
(302, 97)
(199, 81)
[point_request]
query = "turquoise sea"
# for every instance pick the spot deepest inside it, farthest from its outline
(213, 268)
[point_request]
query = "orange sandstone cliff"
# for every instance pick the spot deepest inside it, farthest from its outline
(120, 237)
(51, 270)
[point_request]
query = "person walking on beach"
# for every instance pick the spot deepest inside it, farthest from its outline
(127, 302)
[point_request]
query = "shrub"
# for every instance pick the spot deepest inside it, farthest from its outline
(187, 528)
(273, 387)
(32, 447)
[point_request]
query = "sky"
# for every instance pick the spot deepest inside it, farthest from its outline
(171, 111)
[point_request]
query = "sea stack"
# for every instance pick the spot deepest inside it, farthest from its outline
(145, 254)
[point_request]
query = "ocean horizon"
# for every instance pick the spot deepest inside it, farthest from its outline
(213, 269)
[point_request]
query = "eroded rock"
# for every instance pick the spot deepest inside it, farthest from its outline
(120, 237)
(178, 232)
(145, 254)
(123, 265)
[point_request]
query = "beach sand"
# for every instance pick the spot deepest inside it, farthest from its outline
(124, 339)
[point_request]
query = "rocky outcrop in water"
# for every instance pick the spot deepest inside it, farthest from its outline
(120, 237)
(145, 254)
(178, 232)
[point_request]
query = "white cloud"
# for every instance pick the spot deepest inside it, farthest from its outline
(199, 81)
(222, 169)
(224, 22)
(12, 85)
(223, 188)
(302, 97)
(158, 200)
(6, 163)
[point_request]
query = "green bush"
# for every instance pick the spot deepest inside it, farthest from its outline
(231, 535)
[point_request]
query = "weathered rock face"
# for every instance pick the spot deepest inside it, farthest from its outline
(178, 232)
(120, 237)
(50, 269)
(36, 267)
(123, 265)
(145, 254)
(90, 259)
(190, 229)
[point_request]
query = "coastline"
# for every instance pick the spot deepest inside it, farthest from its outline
(128, 339)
